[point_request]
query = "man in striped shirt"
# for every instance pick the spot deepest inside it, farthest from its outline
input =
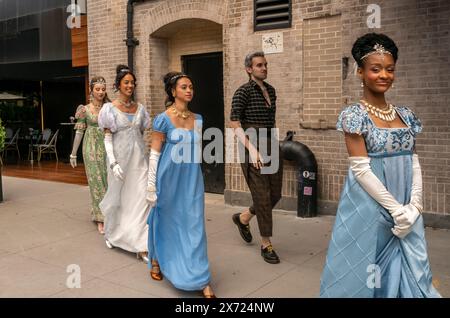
(254, 106)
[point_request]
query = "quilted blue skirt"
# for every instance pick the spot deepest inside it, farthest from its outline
(365, 259)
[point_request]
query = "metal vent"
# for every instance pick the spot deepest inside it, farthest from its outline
(272, 14)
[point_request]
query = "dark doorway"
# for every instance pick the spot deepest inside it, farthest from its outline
(206, 70)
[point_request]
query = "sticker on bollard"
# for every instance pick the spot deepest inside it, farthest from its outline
(309, 175)
(307, 191)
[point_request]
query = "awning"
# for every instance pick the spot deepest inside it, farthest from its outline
(8, 96)
(61, 71)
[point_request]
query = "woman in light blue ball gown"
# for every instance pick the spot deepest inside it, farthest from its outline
(177, 237)
(378, 246)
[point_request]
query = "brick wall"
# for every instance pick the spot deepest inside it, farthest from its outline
(322, 74)
(159, 64)
(202, 37)
(106, 32)
(311, 84)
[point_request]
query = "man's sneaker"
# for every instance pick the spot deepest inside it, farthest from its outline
(269, 255)
(244, 229)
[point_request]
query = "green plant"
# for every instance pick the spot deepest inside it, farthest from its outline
(2, 135)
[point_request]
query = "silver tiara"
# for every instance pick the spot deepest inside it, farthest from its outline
(124, 70)
(377, 49)
(175, 77)
(99, 81)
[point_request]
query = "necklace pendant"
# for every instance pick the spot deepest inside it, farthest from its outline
(183, 114)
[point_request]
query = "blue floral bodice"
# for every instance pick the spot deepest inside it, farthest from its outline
(354, 119)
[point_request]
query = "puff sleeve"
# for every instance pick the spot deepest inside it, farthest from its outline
(145, 119)
(352, 120)
(160, 124)
(411, 119)
(80, 116)
(107, 118)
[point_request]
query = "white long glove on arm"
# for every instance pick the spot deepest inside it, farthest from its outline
(76, 144)
(360, 167)
(114, 165)
(416, 188)
(415, 206)
(151, 178)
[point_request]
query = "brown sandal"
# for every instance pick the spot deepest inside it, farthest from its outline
(205, 295)
(155, 272)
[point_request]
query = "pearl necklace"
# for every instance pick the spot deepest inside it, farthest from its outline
(182, 114)
(386, 115)
(126, 104)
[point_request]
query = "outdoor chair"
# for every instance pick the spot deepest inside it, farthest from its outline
(49, 147)
(12, 144)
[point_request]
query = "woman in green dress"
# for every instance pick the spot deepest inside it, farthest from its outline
(94, 154)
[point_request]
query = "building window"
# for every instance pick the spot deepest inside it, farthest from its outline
(272, 14)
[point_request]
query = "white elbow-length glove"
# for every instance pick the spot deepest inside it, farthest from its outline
(360, 167)
(406, 220)
(76, 145)
(415, 207)
(151, 178)
(113, 164)
(416, 188)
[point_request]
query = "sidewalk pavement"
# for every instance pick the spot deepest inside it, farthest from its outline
(45, 227)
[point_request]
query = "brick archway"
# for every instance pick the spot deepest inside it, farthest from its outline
(150, 57)
(163, 14)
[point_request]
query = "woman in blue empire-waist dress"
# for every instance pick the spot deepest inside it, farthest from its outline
(177, 237)
(372, 253)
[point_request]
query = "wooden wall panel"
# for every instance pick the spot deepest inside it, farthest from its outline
(80, 44)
